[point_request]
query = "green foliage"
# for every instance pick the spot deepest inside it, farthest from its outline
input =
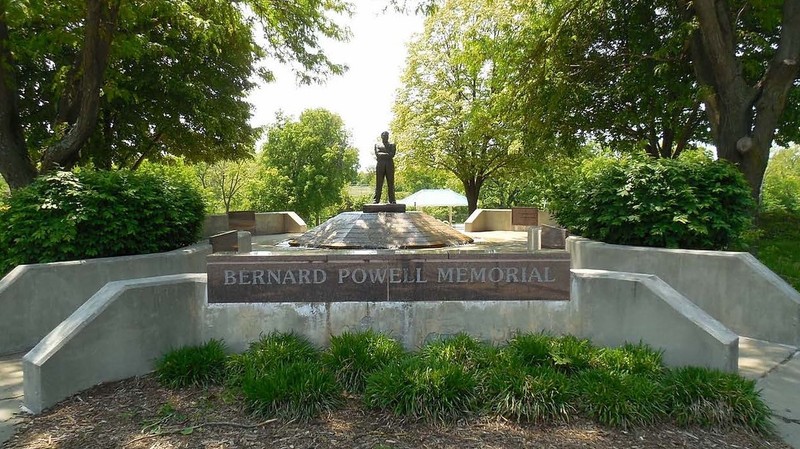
(423, 389)
(88, 214)
(227, 183)
(620, 400)
(295, 390)
(638, 359)
(176, 79)
(777, 244)
(305, 164)
(449, 112)
(354, 356)
(683, 203)
(781, 189)
(460, 349)
(540, 394)
(193, 365)
(270, 351)
(530, 349)
(701, 396)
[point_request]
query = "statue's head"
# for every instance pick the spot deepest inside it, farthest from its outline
(385, 135)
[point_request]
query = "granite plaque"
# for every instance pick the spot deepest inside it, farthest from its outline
(524, 216)
(388, 277)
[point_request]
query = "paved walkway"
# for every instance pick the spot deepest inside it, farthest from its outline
(10, 394)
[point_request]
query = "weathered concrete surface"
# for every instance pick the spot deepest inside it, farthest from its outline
(781, 391)
(615, 308)
(118, 333)
(36, 298)
(757, 357)
(10, 394)
(735, 288)
(500, 220)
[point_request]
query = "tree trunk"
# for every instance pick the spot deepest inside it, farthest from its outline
(16, 166)
(101, 19)
(743, 118)
(472, 189)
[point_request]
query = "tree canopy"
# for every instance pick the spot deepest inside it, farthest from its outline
(306, 163)
(113, 83)
(449, 111)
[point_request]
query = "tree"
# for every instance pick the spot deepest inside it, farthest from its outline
(306, 164)
(449, 111)
(157, 77)
(781, 190)
(228, 181)
(609, 71)
(745, 57)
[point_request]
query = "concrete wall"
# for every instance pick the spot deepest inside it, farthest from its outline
(267, 223)
(735, 288)
(116, 334)
(127, 325)
(36, 298)
(616, 308)
(499, 220)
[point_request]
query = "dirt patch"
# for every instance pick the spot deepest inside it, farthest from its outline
(138, 413)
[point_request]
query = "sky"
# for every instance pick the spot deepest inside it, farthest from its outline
(364, 95)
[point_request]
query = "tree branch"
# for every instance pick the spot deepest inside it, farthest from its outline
(100, 25)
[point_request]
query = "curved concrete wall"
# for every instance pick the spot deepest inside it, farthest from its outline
(36, 298)
(500, 220)
(735, 288)
(127, 325)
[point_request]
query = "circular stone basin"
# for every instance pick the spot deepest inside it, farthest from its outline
(381, 230)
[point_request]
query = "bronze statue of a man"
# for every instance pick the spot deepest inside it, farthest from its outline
(384, 153)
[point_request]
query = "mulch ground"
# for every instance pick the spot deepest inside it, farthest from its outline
(138, 413)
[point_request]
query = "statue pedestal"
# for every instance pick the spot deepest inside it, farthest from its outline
(384, 207)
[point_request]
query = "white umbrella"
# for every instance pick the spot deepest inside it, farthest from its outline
(435, 197)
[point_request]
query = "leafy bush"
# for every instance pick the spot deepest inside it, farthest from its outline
(354, 356)
(193, 365)
(702, 396)
(692, 203)
(567, 353)
(620, 400)
(530, 349)
(88, 214)
(423, 389)
(781, 188)
(540, 394)
(297, 390)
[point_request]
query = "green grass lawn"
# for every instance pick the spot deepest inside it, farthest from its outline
(778, 247)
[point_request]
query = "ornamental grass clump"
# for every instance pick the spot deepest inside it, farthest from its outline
(353, 356)
(530, 349)
(711, 398)
(630, 359)
(268, 352)
(193, 365)
(460, 349)
(570, 354)
(299, 390)
(539, 394)
(617, 400)
(422, 389)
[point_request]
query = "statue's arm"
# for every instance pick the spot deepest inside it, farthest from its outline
(392, 150)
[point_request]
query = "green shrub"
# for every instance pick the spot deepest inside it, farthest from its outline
(422, 389)
(269, 352)
(706, 397)
(354, 356)
(87, 214)
(530, 349)
(296, 390)
(460, 349)
(688, 203)
(193, 365)
(539, 394)
(619, 400)
(630, 359)
(570, 354)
